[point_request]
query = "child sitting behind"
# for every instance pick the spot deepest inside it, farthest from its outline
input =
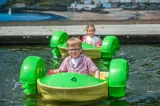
(90, 38)
(77, 61)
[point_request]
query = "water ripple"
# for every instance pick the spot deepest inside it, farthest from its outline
(142, 87)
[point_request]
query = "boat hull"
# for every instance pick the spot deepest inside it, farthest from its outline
(71, 86)
(92, 53)
(110, 44)
(73, 94)
(91, 89)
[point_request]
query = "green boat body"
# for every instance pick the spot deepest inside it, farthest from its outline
(33, 70)
(110, 44)
(71, 86)
(70, 80)
(34, 80)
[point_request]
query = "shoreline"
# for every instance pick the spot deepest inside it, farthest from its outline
(79, 22)
(115, 16)
(109, 14)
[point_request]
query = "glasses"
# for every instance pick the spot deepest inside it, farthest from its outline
(75, 50)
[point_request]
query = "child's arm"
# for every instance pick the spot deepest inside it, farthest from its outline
(57, 71)
(97, 74)
(51, 71)
(62, 68)
(99, 42)
(83, 38)
(92, 68)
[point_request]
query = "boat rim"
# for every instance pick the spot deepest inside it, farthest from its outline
(68, 88)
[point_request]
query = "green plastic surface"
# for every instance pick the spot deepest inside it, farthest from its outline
(56, 52)
(33, 68)
(70, 80)
(85, 46)
(58, 37)
(117, 92)
(118, 76)
(110, 45)
(118, 72)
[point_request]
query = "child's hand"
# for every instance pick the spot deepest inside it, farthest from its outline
(56, 71)
(51, 72)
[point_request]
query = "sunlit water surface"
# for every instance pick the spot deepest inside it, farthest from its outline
(143, 87)
(5, 17)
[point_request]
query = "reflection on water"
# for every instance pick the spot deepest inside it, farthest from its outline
(143, 87)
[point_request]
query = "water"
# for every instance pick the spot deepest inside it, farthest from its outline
(143, 87)
(5, 17)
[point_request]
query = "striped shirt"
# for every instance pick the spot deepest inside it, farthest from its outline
(84, 66)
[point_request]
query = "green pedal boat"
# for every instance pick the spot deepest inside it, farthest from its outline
(69, 86)
(110, 44)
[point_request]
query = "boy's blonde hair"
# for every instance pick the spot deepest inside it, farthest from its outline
(73, 41)
(90, 26)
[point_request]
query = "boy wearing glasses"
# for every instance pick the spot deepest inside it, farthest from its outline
(77, 61)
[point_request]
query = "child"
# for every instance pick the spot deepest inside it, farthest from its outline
(77, 61)
(90, 38)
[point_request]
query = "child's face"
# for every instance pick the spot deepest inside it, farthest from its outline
(75, 51)
(91, 31)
